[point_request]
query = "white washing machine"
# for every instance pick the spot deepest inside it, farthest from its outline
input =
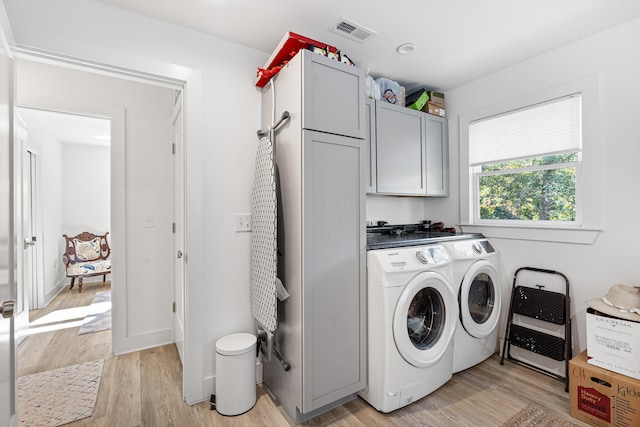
(412, 314)
(476, 276)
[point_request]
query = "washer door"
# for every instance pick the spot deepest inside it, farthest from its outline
(424, 319)
(480, 299)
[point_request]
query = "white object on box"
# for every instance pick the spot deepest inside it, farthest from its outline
(614, 344)
(372, 88)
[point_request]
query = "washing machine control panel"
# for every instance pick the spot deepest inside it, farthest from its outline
(410, 258)
(432, 255)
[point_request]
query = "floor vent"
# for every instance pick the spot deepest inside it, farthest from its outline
(353, 31)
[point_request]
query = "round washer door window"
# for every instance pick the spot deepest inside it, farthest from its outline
(424, 319)
(480, 299)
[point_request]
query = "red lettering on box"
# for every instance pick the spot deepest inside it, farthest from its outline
(594, 403)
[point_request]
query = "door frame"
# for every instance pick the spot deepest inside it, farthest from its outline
(178, 180)
(190, 81)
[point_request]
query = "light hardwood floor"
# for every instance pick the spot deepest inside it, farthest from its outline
(145, 388)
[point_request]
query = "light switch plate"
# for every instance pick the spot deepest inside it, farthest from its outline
(242, 222)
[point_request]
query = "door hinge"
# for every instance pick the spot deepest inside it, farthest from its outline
(173, 227)
(173, 148)
(174, 306)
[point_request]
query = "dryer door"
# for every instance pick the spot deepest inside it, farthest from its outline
(480, 299)
(424, 319)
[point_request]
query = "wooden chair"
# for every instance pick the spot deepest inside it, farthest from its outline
(86, 255)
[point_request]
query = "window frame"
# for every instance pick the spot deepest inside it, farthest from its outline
(588, 173)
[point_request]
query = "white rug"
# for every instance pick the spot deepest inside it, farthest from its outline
(98, 318)
(536, 416)
(59, 396)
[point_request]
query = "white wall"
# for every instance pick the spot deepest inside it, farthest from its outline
(395, 210)
(86, 195)
(222, 116)
(613, 55)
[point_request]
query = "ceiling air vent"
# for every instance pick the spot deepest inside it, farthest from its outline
(353, 31)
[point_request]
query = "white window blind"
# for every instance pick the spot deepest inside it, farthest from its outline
(553, 127)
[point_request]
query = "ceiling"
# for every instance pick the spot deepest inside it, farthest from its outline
(456, 41)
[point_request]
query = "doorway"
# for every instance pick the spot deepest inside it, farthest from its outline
(65, 158)
(66, 173)
(141, 190)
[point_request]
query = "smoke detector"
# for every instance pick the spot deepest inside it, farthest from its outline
(351, 30)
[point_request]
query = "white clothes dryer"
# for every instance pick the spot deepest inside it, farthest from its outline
(476, 276)
(412, 314)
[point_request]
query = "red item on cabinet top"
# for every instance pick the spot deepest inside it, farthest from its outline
(288, 47)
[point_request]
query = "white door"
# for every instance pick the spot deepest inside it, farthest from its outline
(178, 225)
(8, 264)
(425, 319)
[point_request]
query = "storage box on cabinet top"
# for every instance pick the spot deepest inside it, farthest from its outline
(613, 344)
(600, 397)
(417, 100)
(432, 108)
(436, 98)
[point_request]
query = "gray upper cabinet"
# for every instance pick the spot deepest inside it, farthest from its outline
(408, 152)
(400, 159)
(332, 94)
(437, 151)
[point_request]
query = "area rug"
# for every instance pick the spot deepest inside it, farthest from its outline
(98, 318)
(535, 416)
(60, 396)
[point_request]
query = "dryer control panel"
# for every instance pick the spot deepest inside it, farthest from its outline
(471, 249)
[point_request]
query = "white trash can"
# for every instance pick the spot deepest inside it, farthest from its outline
(235, 373)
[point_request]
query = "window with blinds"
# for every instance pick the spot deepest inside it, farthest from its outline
(526, 163)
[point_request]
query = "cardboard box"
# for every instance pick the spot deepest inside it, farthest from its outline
(613, 343)
(432, 108)
(602, 398)
(437, 98)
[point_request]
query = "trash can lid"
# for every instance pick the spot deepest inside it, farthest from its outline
(234, 344)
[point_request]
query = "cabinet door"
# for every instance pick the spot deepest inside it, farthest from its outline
(400, 136)
(334, 272)
(332, 96)
(437, 151)
(370, 146)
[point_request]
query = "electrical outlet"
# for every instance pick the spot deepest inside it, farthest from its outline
(149, 221)
(242, 222)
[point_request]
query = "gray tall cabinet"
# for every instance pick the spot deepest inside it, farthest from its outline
(320, 158)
